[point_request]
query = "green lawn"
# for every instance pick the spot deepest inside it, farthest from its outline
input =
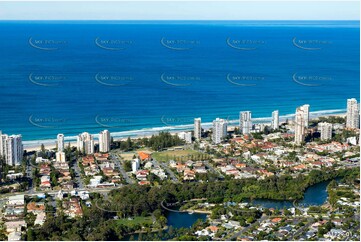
(135, 221)
(178, 155)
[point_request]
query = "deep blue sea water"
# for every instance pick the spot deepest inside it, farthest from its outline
(71, 77)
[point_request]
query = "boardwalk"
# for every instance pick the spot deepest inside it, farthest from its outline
(171, 210)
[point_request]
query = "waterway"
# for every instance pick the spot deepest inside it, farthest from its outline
(315, 195)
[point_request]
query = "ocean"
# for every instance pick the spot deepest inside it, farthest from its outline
(137, 78)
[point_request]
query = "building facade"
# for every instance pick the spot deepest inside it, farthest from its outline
(135, 165)
(197, 128)
(219, 130)
(245, 122)
(85, 143)
(104, 141)
(325, 130)
(60, 156)
(306, 113)
(187, 136)
(352, 115)
(11, 149)
(300, 129)
(60, 142)
(275, 120)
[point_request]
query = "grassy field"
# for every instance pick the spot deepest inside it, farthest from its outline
(178, 155)
(129, 155)
(135, 221)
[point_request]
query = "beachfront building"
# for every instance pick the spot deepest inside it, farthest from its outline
(60, 142)
(197, 128)
(11, 149)
(352, 115)
(14, 146)
(219, 130)
(2, 146)
(135, 165)
(85, 143)
(186, 136)
(325, 130)
(104, 141)
(275, 120)
(245, 122)
(306, 113)
(300, 129)
(60, 156)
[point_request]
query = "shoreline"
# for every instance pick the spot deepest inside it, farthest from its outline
(198, 211)
(35, 145)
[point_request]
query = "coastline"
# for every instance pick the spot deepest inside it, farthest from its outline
(35, 145)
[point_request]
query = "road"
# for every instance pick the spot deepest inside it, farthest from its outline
(77, 171)
(115, 159)
(165, 167)
(97, 190)
(348, 164)
(301, 230)
(210, 167)
(239, 233)
(29, 174)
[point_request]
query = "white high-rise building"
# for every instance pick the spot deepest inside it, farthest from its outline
(187, 136)
(306, 111)
(60, 142)
(219, 130)
(85, 143)
(245, 122)
(104, 141)
(11, 149)
(2, 146)
(300, 129)
(325, 130)
(197, 128)
(352, 115)
(275, 120)
(135, 165)
(60, 156)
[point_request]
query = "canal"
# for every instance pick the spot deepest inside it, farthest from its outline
(314, 196)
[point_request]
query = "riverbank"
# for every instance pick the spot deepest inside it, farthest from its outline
(144, 232)
(191, 211)
(314, 195)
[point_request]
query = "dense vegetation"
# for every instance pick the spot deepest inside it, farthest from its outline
(132, 200)
(137, 200)
(330, 119)
(156, 142)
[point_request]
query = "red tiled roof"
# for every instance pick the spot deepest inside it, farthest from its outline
(143, 155)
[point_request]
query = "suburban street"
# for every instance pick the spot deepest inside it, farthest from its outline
(169, 171)
(210, 167)
(239, 233)
(35, 193)
(78, 178)
(302, 229)
(29, 174)
(115, 159)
